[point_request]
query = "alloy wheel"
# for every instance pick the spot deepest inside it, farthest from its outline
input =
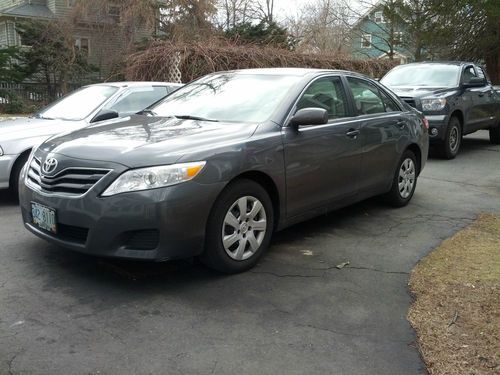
(406, 179)
(244, 228)
(454, 138)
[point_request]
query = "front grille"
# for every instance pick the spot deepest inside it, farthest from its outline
(410, 101)
(70, 181)
(142, 239)
(72, 233)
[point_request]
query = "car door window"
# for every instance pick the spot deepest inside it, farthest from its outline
(136, 99)
(390, 104)
(327, 93)
(469, 73)
(367, 97)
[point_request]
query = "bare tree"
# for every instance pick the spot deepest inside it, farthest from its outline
(322, 26)
(236, 12)
(265, 11)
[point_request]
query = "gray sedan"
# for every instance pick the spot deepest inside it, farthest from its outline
(216, 167)
(85, 106)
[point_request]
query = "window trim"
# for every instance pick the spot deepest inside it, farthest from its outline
(382, 19)
(349, 104)
(77, 37)
(381, 92)
(366, 38)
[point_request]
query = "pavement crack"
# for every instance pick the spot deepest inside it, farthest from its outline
(284, 275)
(10, 362)
(377, 270)
(343, 333)
(460, 182)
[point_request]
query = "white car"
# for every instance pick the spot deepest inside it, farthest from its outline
(88, 105)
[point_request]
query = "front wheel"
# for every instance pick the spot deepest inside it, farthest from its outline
(404, 181)
(495, 135)
(16, 174)
(453, 139)
(239, 228)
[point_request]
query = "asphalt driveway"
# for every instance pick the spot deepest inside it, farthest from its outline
(295, 313)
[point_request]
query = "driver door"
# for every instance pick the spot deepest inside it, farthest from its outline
(322, 162)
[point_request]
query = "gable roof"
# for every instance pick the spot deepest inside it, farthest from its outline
(367, 13)
(29, 11)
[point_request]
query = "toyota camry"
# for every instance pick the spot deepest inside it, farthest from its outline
(216, 167)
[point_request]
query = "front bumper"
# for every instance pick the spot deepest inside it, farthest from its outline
(6, 163)
(437, 127)
(170, 221)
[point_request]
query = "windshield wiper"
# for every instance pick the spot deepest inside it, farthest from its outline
(189, 117)
(146, 112)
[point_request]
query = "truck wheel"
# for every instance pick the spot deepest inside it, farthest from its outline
(453, 139)
(495, 135)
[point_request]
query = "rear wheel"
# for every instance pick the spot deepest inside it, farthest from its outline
(16, 174)
(495, 135)
(239, 228)
(404, 181)
(453, 139)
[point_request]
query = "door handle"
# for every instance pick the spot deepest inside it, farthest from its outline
(481, 94)
(401, 124)
(352, 133)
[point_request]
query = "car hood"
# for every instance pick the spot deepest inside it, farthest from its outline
(138, 141)
(419, 91)
(30, 127)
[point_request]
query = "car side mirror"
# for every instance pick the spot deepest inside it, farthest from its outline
(475, 82)
(309, 116)
(105, 114)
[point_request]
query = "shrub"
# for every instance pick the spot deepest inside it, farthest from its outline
(157, 62)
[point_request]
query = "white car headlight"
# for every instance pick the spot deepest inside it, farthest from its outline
(433, 104)
(154, 177)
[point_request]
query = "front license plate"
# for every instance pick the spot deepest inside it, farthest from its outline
(44, 217)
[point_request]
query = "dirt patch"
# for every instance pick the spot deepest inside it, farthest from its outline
(456, 312)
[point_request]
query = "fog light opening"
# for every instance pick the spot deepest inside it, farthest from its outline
(434, 132)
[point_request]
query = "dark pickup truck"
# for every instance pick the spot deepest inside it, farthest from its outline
(456, 97)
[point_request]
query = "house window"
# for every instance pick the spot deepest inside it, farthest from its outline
(83, 44)
(398, 39)
(366, 41)
(379, 17)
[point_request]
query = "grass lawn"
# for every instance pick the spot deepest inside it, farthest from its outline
(456, 312)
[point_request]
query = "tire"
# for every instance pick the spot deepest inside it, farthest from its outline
(453, 139)
(244, 244)
(16, 174)
(404, 181)
(495, 135)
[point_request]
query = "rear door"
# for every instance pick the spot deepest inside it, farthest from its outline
(322, 161)
(382, 128)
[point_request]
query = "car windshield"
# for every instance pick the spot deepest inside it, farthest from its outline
(434, 75)
(228, 97)
(79, 104)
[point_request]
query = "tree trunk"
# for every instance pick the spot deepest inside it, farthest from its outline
(493, 68)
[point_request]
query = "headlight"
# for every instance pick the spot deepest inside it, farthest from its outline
(154, 177)
(433, 104)
(1, 151)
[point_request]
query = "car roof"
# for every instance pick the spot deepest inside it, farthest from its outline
(298, 72)
(137, 84)
(458, 63)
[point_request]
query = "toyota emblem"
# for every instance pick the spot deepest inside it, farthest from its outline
(50, 165)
